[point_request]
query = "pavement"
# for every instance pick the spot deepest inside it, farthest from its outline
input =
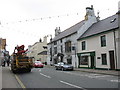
(8, 79)
(0, 77)
(106, 72)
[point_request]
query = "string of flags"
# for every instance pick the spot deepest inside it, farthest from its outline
(36, 19)
(6, 24)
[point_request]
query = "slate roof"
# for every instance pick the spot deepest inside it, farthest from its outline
(69, 31)
(43, 53)
(104, 25)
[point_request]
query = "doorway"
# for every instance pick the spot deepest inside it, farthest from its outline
(112, 60)
(92, 61)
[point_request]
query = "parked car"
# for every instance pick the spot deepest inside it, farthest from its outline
(63, 66)
(38, 64)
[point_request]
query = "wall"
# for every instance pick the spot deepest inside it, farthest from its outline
(37, 48)
(94, 44)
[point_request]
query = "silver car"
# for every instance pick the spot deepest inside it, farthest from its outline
(63, 66)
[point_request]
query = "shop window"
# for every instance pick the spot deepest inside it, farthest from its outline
(84, 60)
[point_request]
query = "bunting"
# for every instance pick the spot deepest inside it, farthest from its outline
(38, 19)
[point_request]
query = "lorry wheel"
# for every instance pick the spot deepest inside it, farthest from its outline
(29, 70)
(14, 71)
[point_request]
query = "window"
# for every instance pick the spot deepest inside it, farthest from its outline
(104, 59)
(55, 50)
(68, 46)
(84, 60)
(103, 41)
(61, 49)
(61, 40)
(69, 61)
(50, 51)
(83, 45)
(55, 43)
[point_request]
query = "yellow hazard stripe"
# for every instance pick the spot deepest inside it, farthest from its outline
(20, 82)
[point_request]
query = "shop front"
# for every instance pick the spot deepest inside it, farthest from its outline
(86, 60)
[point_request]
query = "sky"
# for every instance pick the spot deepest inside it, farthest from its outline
(26, 21)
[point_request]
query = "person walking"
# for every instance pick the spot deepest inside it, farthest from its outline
(8, 60)
(3, 62)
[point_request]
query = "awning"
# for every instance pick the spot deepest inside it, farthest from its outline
(86, 54)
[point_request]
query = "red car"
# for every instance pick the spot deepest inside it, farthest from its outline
(38, 64)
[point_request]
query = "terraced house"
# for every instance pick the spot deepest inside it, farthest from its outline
(63, 47)
(98, 46)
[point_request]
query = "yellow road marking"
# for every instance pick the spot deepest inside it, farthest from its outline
(20, 82)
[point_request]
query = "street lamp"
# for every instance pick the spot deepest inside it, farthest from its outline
(74, 48)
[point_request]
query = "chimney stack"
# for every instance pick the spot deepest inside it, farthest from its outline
(119, 6)
(89, 13)
(45, 39)
(119, 16)
(57, 31)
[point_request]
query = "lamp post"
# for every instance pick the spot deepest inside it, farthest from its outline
(51, 50)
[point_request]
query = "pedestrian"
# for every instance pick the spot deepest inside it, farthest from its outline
(8, 60)
(3, 63)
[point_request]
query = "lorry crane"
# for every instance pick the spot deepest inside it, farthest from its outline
(19, 60)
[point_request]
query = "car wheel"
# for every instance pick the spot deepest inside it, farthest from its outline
(63, 69)
(56, 68)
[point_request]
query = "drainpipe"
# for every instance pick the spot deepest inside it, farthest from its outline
(119, 31)
(118, 13)
(115, 47)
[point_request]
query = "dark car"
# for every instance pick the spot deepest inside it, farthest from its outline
(63, 66)
(38, 64)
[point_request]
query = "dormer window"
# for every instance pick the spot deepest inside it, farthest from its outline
(113, 20)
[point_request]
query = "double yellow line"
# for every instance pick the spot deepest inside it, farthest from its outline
(19, 81)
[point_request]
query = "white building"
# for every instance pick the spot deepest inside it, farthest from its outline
(98, 46)
(63, 46)
(38, 50)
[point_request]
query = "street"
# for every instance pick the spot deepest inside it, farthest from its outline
(48, 77)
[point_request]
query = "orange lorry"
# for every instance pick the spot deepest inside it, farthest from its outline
(19, 60)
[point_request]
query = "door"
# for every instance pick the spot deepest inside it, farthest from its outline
(112, 60)
(92, 61)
